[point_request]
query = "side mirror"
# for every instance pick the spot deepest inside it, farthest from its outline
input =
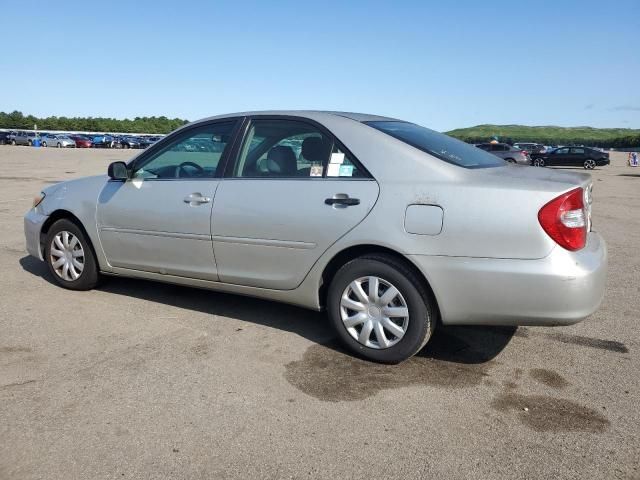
(118, 171)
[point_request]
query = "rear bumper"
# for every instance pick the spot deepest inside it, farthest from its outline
(33, 222)
(561, 289)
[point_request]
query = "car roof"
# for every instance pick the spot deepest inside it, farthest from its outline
(311, 114)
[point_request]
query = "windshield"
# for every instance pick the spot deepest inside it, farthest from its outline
(439, 145)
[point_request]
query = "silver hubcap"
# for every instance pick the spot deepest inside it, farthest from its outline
(590, 164)
(374, 312)
(539, 163)
(67, 256)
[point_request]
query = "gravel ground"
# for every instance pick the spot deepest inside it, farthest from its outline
(144, 380)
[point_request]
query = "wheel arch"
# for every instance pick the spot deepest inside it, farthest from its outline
(61, 214)
(355, 251)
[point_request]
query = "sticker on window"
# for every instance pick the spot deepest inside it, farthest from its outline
(316, 171)
(337, 158)
(333, 170)
(346, 170)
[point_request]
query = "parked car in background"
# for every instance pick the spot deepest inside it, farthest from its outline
(530, 147)
(103, 141)
(23, 138)
(585, 157)
(58, 140)
(445, 233)
(506, 152)
(81, 141)
(130, 142)
(153, 140)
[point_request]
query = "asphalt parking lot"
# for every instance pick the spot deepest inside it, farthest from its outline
(144, 380)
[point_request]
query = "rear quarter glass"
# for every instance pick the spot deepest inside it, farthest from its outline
(437, 144)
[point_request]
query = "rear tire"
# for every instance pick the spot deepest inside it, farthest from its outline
(589, 164)
(13, 142)
(30, 143)
(58, 145)
(404, 332)
(538, 162)
(70, 257)
(44, 144)
(510, 160)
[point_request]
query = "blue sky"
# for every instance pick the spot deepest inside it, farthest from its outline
(440, 64)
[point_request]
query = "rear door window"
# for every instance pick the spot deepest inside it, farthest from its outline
(283, 148)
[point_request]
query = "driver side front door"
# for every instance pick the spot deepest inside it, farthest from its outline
(160, 219)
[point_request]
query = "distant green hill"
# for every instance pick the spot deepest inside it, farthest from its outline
(550, 135)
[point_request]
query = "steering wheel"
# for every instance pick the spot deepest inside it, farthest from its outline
(180, 168)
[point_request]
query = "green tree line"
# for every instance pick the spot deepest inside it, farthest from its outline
(551, 135)
(162, 125)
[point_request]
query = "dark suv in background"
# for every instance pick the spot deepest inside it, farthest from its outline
(586, 157)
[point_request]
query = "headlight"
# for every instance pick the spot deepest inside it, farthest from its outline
(38, 200)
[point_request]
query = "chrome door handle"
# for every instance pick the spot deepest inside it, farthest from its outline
(196, 199)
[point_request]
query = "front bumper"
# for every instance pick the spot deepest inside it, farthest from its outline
(560, 289)
(33, 222)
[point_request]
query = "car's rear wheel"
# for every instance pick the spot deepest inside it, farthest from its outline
(510, 160)
(380, 309)
(125, 145)
(58, 145)
(30, 143)
(538, 162)
(44, 144)
(589, 164)
(13, 142)
(69, 256)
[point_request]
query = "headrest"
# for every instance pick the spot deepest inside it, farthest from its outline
(315, 149)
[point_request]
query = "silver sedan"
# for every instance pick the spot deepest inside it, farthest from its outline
(389, 226)
(58, 140)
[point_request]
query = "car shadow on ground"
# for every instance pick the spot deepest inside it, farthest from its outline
(629, 174)
(458, 344)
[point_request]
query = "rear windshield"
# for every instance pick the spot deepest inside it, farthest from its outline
(439, 145)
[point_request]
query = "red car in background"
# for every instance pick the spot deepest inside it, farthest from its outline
(81, 142)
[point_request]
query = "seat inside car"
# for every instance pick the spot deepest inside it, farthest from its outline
(281, 160)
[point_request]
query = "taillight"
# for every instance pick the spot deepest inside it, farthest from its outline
(565, 220)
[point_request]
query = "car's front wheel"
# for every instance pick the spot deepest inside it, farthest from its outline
(380, 309)
(538, 162)
(589, 164)
(44, 144)
(69, 256)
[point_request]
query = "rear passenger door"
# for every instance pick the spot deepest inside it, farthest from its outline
(560, 156)
(577, 156)
(292, 191)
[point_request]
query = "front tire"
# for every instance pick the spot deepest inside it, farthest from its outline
(589, 164)
(70, 257)
(538, 162)
(44, 144)
(380, 309)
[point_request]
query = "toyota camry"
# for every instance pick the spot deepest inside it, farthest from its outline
(390, 227)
